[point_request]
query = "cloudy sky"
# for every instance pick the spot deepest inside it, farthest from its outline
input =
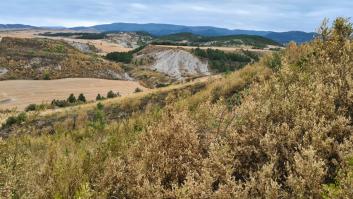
(277, 15)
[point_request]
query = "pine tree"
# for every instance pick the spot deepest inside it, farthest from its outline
(72, 99)
(82, 98)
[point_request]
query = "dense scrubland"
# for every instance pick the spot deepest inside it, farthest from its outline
(279, 128)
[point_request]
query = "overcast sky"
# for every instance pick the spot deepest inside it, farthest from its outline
(277, 15)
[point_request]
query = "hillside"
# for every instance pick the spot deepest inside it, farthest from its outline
(176, 63)
(279, 128)
(221, 41)
(136, 39)
(167, 29)
(286, 37)
(51, 59)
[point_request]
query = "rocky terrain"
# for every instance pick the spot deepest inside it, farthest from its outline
(129, 39)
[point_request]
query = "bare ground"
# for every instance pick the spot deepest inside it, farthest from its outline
(20, 93)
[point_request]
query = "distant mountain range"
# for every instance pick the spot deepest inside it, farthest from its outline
(15, 26)
(167, 29)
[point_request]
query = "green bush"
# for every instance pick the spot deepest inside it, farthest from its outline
(31, 107)
(111, 94)
(99, 97)
(72, 99)
(138, 90)
(60, 103)
(19, 119)
(81, 98)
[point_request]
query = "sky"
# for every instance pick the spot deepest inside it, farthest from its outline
(274, 15)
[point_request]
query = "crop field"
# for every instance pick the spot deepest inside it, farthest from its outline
(20, 93)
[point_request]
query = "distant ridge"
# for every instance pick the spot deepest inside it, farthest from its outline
(167, 29)
(15, 26)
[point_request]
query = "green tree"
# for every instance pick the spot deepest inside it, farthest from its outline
(111, 94)
(72, 99)
(82, 98)
(99, 97)
(138, 90)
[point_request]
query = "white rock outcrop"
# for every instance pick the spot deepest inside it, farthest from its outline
(178, 63)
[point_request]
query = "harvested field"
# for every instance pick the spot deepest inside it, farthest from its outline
(20, 93)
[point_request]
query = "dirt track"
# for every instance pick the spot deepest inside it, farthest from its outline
(20, 93)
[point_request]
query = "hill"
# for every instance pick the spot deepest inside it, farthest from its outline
(15, 26)
(51, 59)
(297, 36)
(167, 29)
(220, 41)
(136, 39)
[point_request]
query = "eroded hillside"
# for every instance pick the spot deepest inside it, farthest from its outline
(176, 63)
(51, 59)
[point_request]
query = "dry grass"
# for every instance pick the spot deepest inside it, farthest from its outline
(20, 93)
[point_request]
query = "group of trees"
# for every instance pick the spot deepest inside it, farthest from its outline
(79, 35)
(111, 94)
(222, 61)
(70, 101)
(124, 57)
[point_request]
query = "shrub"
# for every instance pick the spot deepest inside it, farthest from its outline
(81, 98)
(138, 90)
(111, 94)
(31, 107)
(60, 103)
(19, 119)
(46, 75)
(71, 99)
(99, 121)
(99, 97)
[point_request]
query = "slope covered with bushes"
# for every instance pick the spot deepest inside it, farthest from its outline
(280, 128)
